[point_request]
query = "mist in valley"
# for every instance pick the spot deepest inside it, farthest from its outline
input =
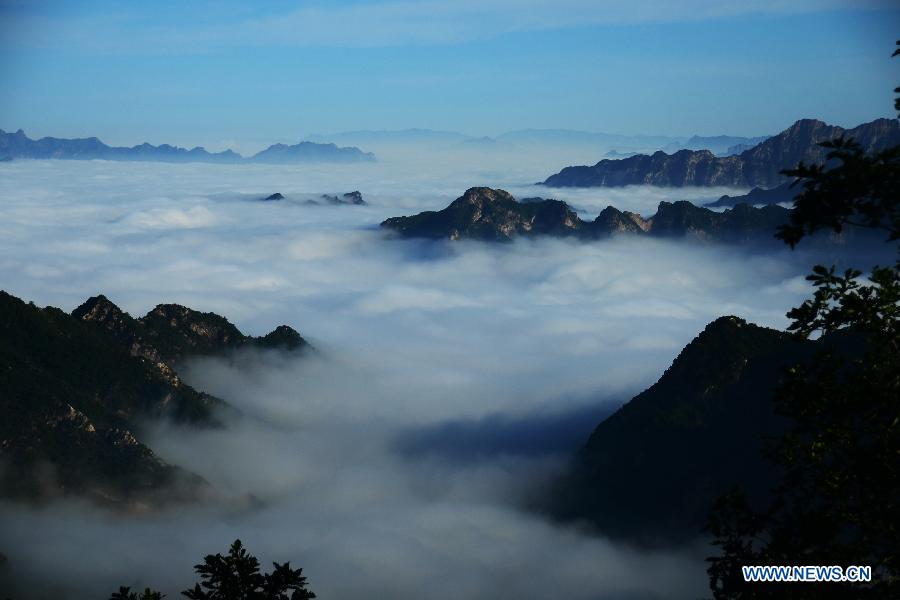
(450, 384)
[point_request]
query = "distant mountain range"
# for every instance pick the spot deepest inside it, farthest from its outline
(495, 215)
(759, 166)
(18, 145)
(572, 136)
(393, 136)
(322, 148)
(720, 145)
(74, 390)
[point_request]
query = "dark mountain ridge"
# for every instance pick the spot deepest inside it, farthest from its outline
(489, 214)
(74, 390)
(652, 470)
(759, 166)
(495, 215)
(19, 145)
(170, 332)
(783, 194)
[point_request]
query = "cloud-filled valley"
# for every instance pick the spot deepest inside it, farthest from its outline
(450, 383)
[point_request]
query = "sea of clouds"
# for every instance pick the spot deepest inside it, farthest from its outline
(451, 382)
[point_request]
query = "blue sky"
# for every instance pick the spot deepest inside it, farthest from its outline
(228, 73)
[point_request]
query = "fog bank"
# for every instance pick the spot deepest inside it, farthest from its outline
(451, 381)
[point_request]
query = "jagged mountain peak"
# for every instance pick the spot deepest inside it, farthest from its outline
(476, 195)
(74, 397)
(101, 311)
(495, 215)
(689, 438)
(170, 333)
(283, 337)
(489, 214)
(95, 307)
(758, 166)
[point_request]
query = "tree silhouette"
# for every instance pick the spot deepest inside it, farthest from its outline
(125, 593)
(235, 577)
(860, 191)
(839, 501)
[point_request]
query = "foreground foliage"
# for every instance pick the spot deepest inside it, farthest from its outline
(838, 501)
(235, 576)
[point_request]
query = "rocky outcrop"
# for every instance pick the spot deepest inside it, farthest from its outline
(759, 166)
(612, 221)
(488, 214)
(170, 332)
(282, 338)
(354, 197)
(494, 215)
(350, 198)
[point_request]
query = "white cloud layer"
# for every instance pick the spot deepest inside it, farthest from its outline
(413, 335)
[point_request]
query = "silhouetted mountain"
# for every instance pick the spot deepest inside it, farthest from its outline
(70, 398)
(758, 166)
(310, 152)
(782, 194)
(273, 197)
(488, 214)
(743, 223)
(763, 163)
(74, 390)
(685, 167)
(170, 332)
(19, 145)
(653, 469)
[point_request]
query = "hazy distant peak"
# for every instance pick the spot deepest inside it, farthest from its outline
(18, 145)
